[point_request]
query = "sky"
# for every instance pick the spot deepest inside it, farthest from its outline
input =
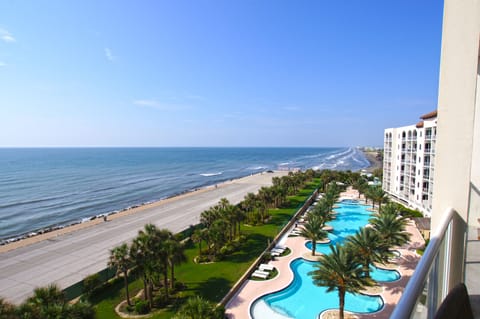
(215, 73)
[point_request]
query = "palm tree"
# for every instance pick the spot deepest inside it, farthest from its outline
(207, 217)
(262, 210)
(160, 253)
(341, 271)
(175, 256)
(149, 256)
(331, 196)
(391, 229)
(265, 195)
(120, 259)
(313, 231)
(378, 195)
(50, 303)
(239, 216)
(323, 210)
(365, 243)
(198, 236)
(248, 205)
(139, 251)
(360, 185)
(217, 236)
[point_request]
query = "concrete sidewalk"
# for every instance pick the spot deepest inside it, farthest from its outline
(68, 257)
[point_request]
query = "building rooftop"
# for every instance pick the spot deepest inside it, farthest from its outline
(429, 115)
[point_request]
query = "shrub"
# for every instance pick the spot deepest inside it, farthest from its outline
(179, 286)
(203, 259)
(266, 257)
(160, 301)
(91, 284)
(408, 212)
(142, 307)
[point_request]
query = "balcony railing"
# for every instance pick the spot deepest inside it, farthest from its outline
(435, 273)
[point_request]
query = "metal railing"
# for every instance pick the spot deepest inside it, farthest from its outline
(429, 284)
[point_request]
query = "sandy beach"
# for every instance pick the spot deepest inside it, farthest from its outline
(375, 163)
(66, 256)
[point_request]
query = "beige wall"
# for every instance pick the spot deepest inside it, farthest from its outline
(456, 106)
(457, 159)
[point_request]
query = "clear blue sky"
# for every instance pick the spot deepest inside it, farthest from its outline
(215, 73)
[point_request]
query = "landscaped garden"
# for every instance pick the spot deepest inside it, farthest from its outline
(217, 253)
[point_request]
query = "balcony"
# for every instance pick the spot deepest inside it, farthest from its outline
(439, 270)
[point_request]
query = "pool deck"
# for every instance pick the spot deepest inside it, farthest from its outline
(239, 306)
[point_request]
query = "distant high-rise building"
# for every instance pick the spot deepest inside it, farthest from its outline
(408, 162)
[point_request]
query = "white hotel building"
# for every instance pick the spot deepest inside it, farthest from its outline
(408, 164)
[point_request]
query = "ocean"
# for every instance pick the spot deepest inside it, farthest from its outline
(47, 187)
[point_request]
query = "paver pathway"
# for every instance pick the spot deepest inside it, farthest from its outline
(239, 306)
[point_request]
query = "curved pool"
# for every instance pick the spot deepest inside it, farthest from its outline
(302, 299)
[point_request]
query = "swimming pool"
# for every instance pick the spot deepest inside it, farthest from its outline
(350, 216)
(302, 299)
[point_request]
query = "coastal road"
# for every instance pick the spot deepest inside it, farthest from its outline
(68, 258)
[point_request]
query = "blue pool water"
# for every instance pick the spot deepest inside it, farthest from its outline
(302, 299)
(349, 218)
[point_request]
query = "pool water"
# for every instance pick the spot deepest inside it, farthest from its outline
(302, 299)
(350, 217)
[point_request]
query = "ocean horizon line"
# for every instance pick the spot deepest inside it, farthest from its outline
(120, 147)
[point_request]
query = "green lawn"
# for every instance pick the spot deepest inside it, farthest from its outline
(212, 281)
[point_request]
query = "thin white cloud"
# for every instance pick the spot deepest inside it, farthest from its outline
(109, 55)
(2, 64)
(6, 36)
(152, 103)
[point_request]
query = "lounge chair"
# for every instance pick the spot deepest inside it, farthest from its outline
(265, 267)
(260, 274)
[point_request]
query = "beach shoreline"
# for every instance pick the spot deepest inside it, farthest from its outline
(375, 162)
(55, 231)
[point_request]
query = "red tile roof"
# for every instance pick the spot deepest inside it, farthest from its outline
(419, 124)
(429, 115)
